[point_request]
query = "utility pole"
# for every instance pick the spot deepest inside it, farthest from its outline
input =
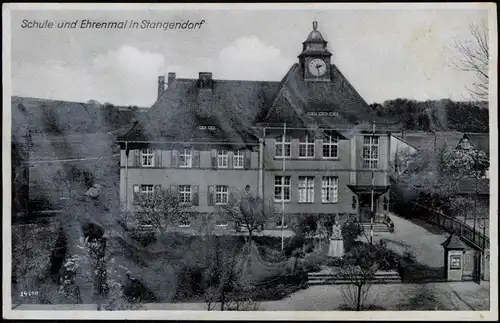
(372, 213)
(283, 190)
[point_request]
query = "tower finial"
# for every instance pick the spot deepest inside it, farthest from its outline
(315, 25)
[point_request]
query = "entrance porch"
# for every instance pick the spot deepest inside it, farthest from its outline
(364, 199)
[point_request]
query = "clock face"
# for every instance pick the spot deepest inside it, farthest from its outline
(317, 67)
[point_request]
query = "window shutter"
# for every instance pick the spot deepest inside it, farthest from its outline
(248, 159)
(137, 157)
(158, 162)
(136, 194)
(214, 158)
(294, 147)
(318, 149)
(175, 158)
(230, 155)
(210, 195)
(195, 197)
(196, 158)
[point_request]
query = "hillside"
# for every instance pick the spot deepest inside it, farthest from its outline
(43, 116)
(63, 117)
(435, 115)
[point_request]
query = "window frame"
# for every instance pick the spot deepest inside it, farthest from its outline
(305, 188)
(183, 154)
(329, 142)
(285, 146)
(149, 154)
(334, 187)
(141, 191)
(222, 194)
(222, 157)
(282, 187)
(238, 155)
(306, 143)
(370, 162)
(182, 193)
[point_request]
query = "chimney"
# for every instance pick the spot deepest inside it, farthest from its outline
(161, 85)
(171, 79)
(205, 80)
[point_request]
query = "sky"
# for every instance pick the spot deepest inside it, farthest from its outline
(385, 54)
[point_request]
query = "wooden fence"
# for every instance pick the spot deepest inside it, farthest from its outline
(450, 224)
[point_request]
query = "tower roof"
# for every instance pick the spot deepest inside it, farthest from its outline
(315, 36)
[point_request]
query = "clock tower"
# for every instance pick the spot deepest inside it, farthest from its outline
(315, 57)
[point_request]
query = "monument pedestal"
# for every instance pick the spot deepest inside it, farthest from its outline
(336, 248)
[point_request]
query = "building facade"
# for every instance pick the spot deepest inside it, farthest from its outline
(308, 144)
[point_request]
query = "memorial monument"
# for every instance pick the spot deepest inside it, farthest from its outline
(336, 242)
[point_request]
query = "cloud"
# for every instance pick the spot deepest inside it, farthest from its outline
(126, 76)
(251, 59)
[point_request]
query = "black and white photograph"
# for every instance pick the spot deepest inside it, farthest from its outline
(250, 161)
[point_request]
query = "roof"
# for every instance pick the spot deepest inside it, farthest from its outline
(480, 141)
(430, 141)
(295, 98)
(231, 106)
(454, 242)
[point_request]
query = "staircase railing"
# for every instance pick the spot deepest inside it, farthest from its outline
(451, 225)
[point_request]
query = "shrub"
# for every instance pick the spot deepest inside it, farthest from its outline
(271, 255)
(190, 282)
(351, 230)
(314, 261)
(295, 243)
(145, 238)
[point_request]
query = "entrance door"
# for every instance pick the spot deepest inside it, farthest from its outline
(365, 207)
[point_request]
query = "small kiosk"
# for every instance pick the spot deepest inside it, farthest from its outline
(453, 258)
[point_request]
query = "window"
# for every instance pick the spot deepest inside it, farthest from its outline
(238, 159)
(278, 224)
(185, 193)
(370, 152)
(306, 147)
(221, 194)
(222, 159)
(147, 189)
(184, 223)
(330, 146)
(221, 223)
(329, 189)
(282, 188)
(185, 157)
(283, 145)
(147, 157)
(306, 189)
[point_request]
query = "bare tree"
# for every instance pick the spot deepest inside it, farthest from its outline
(473, 56)
(359, 272)
(249, 211)
(161, 208)
(224, 287)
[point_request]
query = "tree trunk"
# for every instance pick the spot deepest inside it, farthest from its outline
(358, 300)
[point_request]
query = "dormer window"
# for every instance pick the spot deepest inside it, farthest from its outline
(211, 127)
(333, 114)
(312, 113)
(202, 127)
(323, 113)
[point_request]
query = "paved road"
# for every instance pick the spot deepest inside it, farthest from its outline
(465, 296)
(424, 244)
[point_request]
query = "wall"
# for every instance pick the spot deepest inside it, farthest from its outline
(203, 176)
